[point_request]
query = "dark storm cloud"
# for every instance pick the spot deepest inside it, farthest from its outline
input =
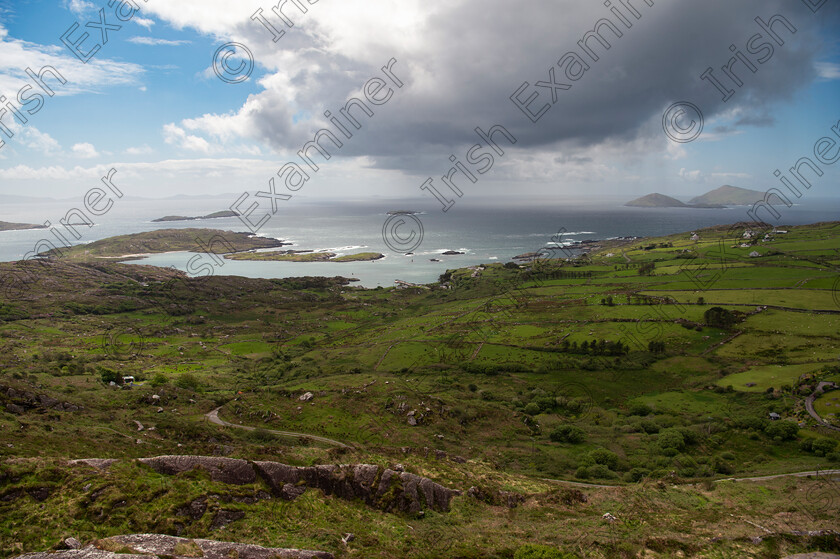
(476, 54)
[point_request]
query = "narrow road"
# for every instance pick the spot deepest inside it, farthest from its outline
(809, 405)
(796, 474)
(760, 478)
(213, 417)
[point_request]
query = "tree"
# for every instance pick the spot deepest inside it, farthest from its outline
(647, 269)
(108, 376)
(609, 301)
(719, 317)
(701, 301)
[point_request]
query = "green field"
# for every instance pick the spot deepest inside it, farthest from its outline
(627, 378)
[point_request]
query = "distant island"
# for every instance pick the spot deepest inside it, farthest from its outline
(215, 215)
(303, 256)
(718, 198)
(6, 226)
(402, 212)
(656, 200)
(168, 240)
(729, 196)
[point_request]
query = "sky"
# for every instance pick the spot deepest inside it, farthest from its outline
(161, 103)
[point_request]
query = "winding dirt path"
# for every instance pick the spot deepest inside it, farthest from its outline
(214, 418)
(809, 405)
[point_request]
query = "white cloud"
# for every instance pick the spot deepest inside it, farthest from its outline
(691, 176)
(154, 41)
(176, 136)
(139, 150)
(85, 151)
(78, 7)
(828, 70)
(147, 23)
(98, 73)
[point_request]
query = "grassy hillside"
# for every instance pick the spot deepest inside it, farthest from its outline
(644, 371)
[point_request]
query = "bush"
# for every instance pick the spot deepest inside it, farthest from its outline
(719, 317)
(604, 457)
(639, 408)
(782, 430)
(158, 380)
(721, 466)
(108, 376)
(582, 473)
(636, 475)
(532, 409)
(568, 434)
(821, 447)
(187, 381)
(600, 471)
(671, 439)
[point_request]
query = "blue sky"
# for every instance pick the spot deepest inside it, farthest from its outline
(150, 105)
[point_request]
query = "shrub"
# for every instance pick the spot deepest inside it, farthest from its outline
(472, 387)
(568, 434)
(719, 317)
(782, 430)
(671, 439)
(600, 471)
(532, 409)
(639, 408)
(721, 466)
(187, 381)
(823, 447)
(604, 457)
(582, 473)
(108, 376)
(636, 475)
(158, 380)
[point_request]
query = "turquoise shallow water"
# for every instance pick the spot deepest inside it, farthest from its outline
(483, 234)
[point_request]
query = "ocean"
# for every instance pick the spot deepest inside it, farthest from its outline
(485, 234)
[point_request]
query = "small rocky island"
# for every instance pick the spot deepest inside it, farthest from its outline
(215, 215)
(303, 256)
(7, 226)
(402, 212)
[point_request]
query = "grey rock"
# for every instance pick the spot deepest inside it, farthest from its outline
(225, 470)
(225, 517)
(72, 543)
(14, 408)
(98, 463)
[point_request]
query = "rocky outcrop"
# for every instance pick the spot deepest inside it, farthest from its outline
(384, 489)
(224, 470)
(98, 463)
(18, 401)
(148, 546)
(508, 499)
